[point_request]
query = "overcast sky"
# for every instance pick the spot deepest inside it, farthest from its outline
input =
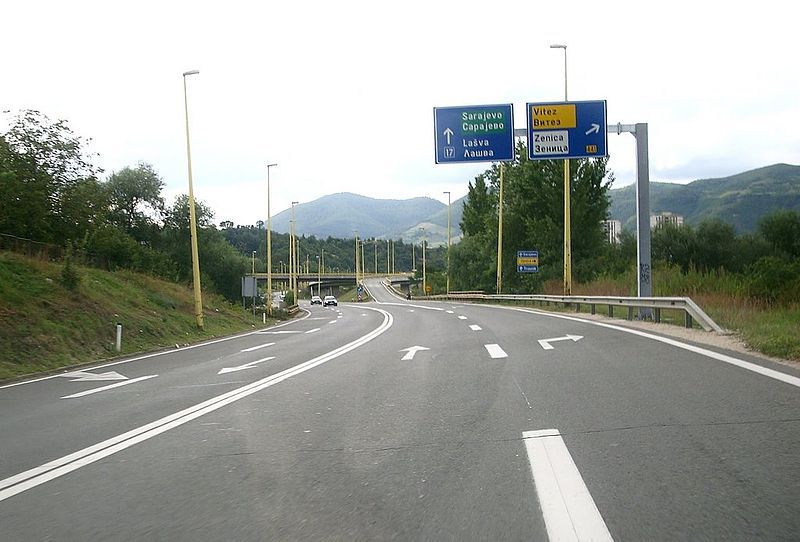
(340, 94)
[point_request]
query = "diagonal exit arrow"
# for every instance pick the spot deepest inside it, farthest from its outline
(411, 351)
(448, 132)
(594, 129)
(250, 365)
(546, 342)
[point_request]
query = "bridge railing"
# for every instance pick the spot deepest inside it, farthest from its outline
(692, 312)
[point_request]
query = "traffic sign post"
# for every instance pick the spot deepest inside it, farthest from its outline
(527, 261)
(563, 130)
(474, 133)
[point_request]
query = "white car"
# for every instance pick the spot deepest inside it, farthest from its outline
(330, 300)
(316, 300)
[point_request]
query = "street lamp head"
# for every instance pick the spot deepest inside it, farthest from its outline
(558, 46)
(191, 72)
(271, 165)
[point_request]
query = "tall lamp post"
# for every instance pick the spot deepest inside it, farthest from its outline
(294, 266)
(567, 220)
(424, 274)
(198, 300)
(355, 233)
(269, 247)
(448, 242)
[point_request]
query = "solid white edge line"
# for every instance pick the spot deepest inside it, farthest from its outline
(89, 367)
(568, 509)
(495, 351)
(58, 467)
(765, 371)
(110, 386)
(258, 347)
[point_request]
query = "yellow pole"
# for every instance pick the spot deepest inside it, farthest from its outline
(198, 300)
(356, 255)
(500, 233)
(567, 234)
(448, 242)
(269, 247)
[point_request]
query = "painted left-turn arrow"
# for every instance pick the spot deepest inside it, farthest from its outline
(85, 376)
(411, 351)
(250, 365)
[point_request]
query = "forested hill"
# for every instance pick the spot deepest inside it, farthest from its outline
(740, 200)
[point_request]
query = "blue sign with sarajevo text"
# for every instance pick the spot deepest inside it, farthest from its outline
(474, 133)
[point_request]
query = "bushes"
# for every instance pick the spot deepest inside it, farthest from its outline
(774, 280)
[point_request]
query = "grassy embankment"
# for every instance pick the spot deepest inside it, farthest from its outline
(772, 329)
(44, 325)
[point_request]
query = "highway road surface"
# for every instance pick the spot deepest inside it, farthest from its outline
(407, 420)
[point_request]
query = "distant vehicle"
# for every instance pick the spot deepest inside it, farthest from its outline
(316, 300)
(330, 300)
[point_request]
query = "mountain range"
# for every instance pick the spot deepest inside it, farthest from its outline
(338, 215)
(740, 200)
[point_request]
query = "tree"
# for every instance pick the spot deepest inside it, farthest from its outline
(782, 230)
(45, 173)
(135, 198)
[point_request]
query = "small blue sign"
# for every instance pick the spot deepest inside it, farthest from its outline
(474, 133)
(559, 130)
(527, 269)
(527, 261)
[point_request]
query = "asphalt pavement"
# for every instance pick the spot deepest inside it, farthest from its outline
(408, 420)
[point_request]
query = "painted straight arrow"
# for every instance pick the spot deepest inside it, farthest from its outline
(250, 365)
(411, 351)
(546, 342)
(448, 132)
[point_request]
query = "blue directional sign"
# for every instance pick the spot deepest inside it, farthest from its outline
(527, 261)
(474, 133)
(567, 130)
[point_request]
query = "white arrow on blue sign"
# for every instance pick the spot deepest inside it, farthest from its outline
(474, 133)
(567, 130)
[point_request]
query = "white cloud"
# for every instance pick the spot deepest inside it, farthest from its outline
(341, 94)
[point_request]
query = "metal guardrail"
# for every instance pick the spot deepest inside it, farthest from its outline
(692, 312)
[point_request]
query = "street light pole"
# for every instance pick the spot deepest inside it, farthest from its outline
(198, 300)
(355, 232)
(269, 247)
(295, 264)
(567, 219)
(424, 275)
(448, 242)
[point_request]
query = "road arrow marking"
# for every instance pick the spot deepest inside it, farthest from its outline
(250, 365)
(411, 351)
(546, 342)
(110, 386)
(84, 376)
(257, 347)
(448, 132)
(594, 129)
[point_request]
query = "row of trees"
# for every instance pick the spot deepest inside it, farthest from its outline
(51, 192)
(533, 219)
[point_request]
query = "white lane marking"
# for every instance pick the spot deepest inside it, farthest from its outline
(545, 343)
(110, 386)
(38, 475)
(449, 312)
(410, 310)
(287, 332)
(256, 347)
(462, 317)
(250, 365)
(567, 506)
(84, 376)
(155, 354)
(410, 305)
(495, 351)
(764, 371)
(363, 314)
(312, 330)
(411, 352)
(333, 321)
(339, 316)
(475, 327)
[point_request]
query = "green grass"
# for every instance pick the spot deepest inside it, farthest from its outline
(44, 326)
